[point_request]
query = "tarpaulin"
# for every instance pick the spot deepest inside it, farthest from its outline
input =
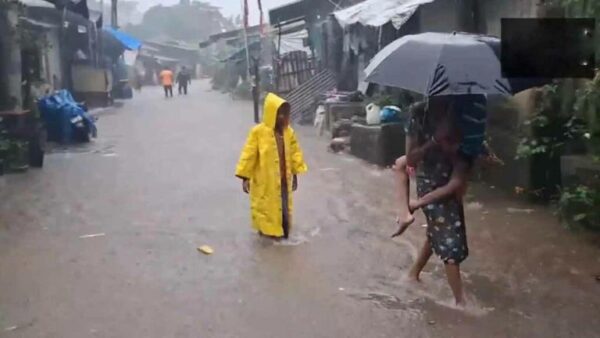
(292, 42)
(58, 111)
(128, 41)
(376, 13)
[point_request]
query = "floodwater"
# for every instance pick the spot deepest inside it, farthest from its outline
(102, 243)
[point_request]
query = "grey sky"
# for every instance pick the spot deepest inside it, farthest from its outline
(229, 7)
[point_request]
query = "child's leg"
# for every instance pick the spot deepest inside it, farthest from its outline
(424, 255)
(455, 281)
(405, 217)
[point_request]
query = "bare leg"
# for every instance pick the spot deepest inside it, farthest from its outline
(455, 281)
(405, 217)
(421, 261)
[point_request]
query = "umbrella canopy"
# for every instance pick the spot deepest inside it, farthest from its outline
(435, 64)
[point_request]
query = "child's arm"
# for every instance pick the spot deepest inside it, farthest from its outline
(415, 154)
(457, 184)
(248, 158)
(296, 156)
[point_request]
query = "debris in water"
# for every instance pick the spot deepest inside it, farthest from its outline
(329, 169)
(19, 327)
(517, 211)
(431, 322)
(597, 278)
(93, 235)
(342, 289)
(314, 232)
(205, 249)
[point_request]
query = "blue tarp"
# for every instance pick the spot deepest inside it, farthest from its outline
(128, 41)
(57, 111)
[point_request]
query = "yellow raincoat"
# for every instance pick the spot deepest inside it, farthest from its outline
(259, 162)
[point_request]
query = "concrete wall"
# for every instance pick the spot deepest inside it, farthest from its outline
(440, 16)
(10, 56)
(505, 121)
(494, 10)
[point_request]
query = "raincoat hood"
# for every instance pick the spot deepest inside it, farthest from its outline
(272, 104)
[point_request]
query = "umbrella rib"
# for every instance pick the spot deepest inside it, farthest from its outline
(500, 86)
(439, 81)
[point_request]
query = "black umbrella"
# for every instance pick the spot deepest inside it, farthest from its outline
(435, 64)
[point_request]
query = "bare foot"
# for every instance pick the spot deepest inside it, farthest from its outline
(461, 305)
(413, 278)
(404, 223)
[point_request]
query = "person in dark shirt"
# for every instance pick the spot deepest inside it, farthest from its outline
(183, 80)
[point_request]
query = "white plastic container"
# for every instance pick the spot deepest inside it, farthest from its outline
(373, 114)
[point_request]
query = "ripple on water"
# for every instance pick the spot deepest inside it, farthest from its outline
(299, 238)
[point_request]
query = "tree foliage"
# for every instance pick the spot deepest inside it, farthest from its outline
(186, 22)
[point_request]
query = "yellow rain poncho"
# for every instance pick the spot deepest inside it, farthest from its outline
(259, 162)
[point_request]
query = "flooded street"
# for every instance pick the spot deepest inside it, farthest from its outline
(102, 242)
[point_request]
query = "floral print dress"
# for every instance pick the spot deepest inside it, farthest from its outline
(445, 219)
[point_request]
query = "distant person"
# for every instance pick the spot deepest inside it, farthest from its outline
(269, 164)
(184, 79)
(166, 79)
(138, 79)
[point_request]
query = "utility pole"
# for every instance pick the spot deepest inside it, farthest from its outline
(245, 32)
(100, 54)
(113, 14)
(256, 89)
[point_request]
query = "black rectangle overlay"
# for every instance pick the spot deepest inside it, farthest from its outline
(548, 48)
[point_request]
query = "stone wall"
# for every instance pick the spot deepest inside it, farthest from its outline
(380, 145)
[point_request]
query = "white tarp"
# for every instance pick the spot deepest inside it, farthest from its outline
(293, 42)
(130, 56)
(377, 13)
(37, 3)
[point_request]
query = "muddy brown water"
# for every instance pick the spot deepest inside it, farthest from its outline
(159, 182)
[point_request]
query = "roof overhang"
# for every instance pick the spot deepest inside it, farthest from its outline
(376, 13)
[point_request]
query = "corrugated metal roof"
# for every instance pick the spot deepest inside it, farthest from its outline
(302, 98)
(377, 13)
(37, 3)
(38, 23)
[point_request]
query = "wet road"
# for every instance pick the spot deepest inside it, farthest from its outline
(159, 182)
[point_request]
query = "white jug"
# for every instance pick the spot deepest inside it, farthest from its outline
(373, 112)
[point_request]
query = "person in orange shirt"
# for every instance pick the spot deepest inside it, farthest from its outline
(166, 79)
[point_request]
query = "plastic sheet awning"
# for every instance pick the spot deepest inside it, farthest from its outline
(128, 41)
(376, 13)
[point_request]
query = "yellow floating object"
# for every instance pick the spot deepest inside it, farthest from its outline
(205, 249)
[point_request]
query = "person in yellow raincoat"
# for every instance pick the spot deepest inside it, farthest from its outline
(269, 164)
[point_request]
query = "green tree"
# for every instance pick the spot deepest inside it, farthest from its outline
(187, 22)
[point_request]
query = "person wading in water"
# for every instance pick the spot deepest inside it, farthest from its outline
(268, 167)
